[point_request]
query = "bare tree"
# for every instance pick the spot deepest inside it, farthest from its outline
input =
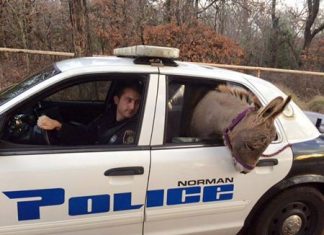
(274, 34)
(269, 35)
(169, 13)
(2, 23)
(309, 34)
(21, 15)
(80, 27)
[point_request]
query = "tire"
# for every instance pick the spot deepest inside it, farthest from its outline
(302, 206)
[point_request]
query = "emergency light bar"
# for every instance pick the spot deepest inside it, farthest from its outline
(148, 51)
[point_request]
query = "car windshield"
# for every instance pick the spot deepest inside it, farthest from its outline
(27, 83)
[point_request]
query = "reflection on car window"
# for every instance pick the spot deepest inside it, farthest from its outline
(27, 84)
(90, 91)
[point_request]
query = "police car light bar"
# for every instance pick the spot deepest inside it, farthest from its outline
(148, 51)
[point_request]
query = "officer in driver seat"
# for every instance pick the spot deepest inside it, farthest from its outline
(116, 126)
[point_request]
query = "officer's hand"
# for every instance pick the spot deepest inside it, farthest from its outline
(47, 123)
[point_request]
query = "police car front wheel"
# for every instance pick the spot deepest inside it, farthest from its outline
(297, 211)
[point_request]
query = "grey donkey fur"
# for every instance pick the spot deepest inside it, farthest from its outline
(252, 135)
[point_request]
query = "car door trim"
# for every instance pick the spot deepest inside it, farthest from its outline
(195, 210)
(75, 224)
(80, 149)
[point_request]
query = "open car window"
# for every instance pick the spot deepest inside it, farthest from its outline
(85, 106)
(183, 94)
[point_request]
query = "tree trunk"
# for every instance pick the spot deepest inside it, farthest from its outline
(80, 27)
(222, 23)
(2, 31)
(274, 35)
(22, 27)
(313, 8)
(197, 9)
(168, 11)
(245, 23)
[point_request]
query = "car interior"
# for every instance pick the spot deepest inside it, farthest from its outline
(183, 96)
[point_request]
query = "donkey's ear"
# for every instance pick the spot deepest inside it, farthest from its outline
(282, 106)
(274, 108)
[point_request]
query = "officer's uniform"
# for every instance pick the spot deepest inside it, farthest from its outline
(103, 130)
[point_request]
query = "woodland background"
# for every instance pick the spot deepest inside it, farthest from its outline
(264, 33)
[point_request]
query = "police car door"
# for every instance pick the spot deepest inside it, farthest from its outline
(194, 188)
(76, 190)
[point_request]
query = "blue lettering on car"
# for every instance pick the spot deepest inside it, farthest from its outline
(30, 209)
(79, 205)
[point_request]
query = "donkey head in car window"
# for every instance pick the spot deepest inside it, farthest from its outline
(237, 116)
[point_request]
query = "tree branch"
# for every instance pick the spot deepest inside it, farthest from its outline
(313, 8)
(317, 30)
(205, 8)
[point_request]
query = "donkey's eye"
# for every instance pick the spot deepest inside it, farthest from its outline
(249, 147)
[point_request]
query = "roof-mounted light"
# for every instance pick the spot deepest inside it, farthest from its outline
(148, 51)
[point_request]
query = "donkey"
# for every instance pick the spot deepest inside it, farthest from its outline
(237, 116)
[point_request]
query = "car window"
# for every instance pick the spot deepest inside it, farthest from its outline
(94, 122)
(89, 91)
(27, 83)
(183, 96)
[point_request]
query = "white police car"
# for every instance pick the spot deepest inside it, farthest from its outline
(165, 183)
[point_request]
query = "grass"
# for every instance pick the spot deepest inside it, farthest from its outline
(316, 104)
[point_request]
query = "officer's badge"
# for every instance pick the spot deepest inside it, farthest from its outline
(129, 137)
(113, 139)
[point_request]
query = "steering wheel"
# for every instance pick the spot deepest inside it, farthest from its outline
(22, 128)
(19, 125)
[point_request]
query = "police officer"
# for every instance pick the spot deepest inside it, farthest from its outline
(115, 126)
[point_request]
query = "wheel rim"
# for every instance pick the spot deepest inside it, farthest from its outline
(292, 225)
(295, 218)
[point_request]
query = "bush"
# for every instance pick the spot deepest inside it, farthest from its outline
(316, 104)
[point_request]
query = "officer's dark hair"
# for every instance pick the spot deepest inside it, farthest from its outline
(128, 84)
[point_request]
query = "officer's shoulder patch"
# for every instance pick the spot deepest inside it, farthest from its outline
(129, 137)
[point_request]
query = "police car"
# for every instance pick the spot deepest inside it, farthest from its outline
(166, 182)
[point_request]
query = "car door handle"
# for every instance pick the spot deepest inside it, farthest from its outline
(267, 162)
(121, 171)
